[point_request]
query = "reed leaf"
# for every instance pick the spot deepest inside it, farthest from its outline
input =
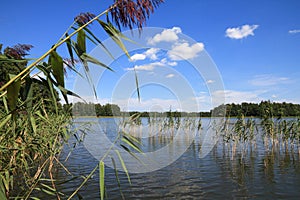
(34, 198)
(57, 66)
(132, 138)
(101, 178)
(117, 176)
(69, 46)
(99, 42)
(131, 144)
(5, 104)
(116, 171)
(114, 34)
(137, 85)
(52, 93)
(73, 69)
(68, 92)
(2, 191)
(33, 124)
(131, 153)
(13, 93)
(5, 120)
(123, 165)
(90, 59)
(81, 37)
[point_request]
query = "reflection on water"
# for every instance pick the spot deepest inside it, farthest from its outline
(247, 172)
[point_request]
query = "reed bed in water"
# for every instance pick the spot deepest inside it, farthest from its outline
(239, 134)
(158, 126)
(244, 133)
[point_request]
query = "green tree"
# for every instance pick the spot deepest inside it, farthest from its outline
(38, 87)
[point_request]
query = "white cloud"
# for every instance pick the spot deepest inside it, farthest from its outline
(147, 67)
(167, 35)
(150, 53)
(182, 51)
(150, 66)
(138, 56)
(172, 64)
(210, 81)
(274, 96)
(170, 75)
(166, 62)
(294, 31)
(232, 96)
(268, 80)
(241, 32)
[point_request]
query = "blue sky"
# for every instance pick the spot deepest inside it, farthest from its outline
(254, 45)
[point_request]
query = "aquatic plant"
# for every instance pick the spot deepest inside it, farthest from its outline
(31, 136)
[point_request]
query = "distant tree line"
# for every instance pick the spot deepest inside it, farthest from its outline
(170, 114)
(91, 109)
(262, 109)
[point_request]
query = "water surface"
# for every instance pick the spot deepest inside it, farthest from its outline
(254, 174)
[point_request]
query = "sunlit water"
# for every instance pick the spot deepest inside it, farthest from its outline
(256, 174)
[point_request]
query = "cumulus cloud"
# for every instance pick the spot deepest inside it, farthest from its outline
(172, 64)
(166, 62)
(138, 56)
(167, 35)
(182, 51)
(150, 53)
(241, 32)
(233, 96)
(170, 75)
(210, 81)
(151, 66)
(268, 80)
(294, 31)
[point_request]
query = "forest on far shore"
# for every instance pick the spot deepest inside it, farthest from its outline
(262, 109)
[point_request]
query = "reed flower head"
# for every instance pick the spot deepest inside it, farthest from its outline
(18, 51)
(84, 18)
(133, 12)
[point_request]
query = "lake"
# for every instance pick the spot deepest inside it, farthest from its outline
(248, 172)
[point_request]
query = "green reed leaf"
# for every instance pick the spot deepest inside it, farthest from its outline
(114, 34)
(137, 85)
(116, 171)
(123, 165)
(35, 198)
(81, 42)
(5, 120)
(91, 59)
(131, 153)
(131, 144)
(99, 42)
(52, 93)
(132, 138)
(101, 178)
(33, 124)
(69, 46)
(57, 66)
(68, 92)
(2, 191)
(5, 104)
(117, 176)
(13, 92)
